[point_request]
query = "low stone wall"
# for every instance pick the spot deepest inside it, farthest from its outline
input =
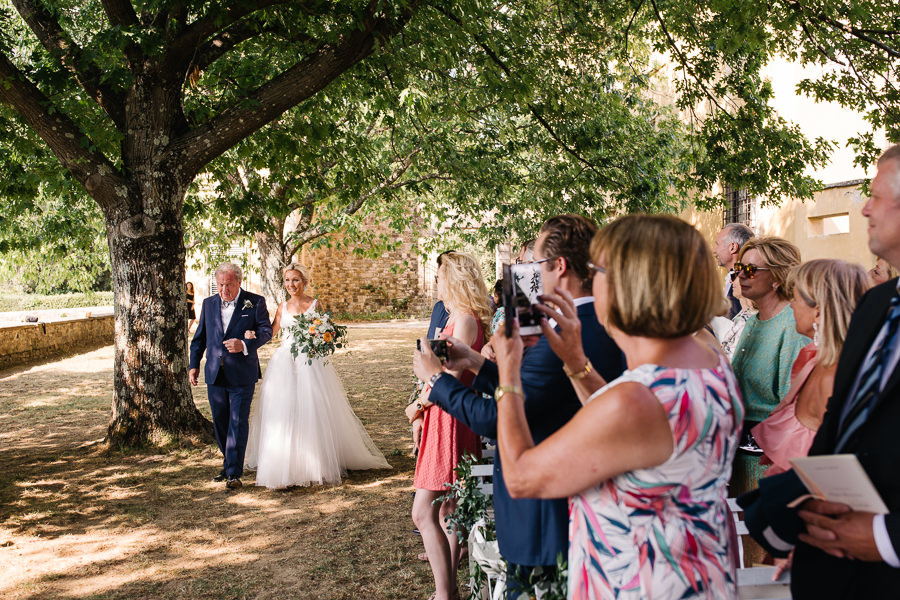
(37, 341)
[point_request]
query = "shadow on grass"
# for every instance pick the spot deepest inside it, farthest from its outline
(77, 521)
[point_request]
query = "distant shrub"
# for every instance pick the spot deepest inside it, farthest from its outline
(14, 302)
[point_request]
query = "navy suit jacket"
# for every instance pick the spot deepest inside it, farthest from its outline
(237, 369)
(814, 573)
(531, 532)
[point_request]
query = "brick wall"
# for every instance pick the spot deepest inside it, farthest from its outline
(37, 341)
(345, 282)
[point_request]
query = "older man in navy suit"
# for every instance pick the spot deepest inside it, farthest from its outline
(533, 533)
(232, 366)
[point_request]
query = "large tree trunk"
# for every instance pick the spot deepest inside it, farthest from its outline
(274, 256)
(152, 399)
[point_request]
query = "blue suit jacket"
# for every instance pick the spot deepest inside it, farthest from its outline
(237, 369)
(531, 532)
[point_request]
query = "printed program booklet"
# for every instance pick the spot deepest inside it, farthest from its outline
(838, 478)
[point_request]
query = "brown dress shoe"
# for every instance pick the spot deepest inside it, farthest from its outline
(234, 484)
(221, 476)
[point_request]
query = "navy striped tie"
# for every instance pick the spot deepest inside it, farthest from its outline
(855, 412)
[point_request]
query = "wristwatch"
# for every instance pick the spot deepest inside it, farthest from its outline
(502, 390)
(434, 379)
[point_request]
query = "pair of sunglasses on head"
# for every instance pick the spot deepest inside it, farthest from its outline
(749, 270)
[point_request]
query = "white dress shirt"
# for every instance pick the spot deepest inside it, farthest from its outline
(228, 312)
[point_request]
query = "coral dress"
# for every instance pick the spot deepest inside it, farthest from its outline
(444, 439)
(782, 436)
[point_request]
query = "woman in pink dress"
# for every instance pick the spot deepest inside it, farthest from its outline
(444, 439)
(825, 293)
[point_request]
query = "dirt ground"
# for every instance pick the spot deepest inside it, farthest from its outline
(78, 522)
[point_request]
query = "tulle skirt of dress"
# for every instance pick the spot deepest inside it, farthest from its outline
(302, 428)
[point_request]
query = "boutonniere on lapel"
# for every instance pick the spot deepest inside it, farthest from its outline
(247, 304)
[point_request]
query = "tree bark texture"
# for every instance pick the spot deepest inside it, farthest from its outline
(274, 256)
(152, 398)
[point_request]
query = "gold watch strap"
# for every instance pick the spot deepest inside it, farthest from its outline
(588, 367)
(502, 390)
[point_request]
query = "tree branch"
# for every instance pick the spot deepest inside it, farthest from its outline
(531, 107)
(311, 74)
(188, 38)
(61, 46)
(93, 170)
(842, 27)
(221, 44)
(120, 13)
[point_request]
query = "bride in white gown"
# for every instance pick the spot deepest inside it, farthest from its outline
(302, 429)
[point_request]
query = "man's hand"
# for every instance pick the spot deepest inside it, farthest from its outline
(838, 530)
(425, 363)
(567, 343)
(234, 345)
(461, 356)
(192, 376)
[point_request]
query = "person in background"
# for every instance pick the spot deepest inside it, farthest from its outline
(765, 353)
(646, 461)
(444, 440)
(825, 293)
(192, 313)
(881, 272)
(726, 248)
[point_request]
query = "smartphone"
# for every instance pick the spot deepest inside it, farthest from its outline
(522, 284)
(439, 347)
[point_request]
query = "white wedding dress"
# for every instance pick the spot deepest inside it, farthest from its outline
(302, 429)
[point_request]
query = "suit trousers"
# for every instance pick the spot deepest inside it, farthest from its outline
(230, 406)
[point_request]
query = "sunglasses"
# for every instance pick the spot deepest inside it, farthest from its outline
(596, 268)
(749, 270)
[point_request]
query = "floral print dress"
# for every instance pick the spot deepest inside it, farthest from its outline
(665, 532)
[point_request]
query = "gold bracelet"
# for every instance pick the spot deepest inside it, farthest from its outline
(502, 390)
(588, 367)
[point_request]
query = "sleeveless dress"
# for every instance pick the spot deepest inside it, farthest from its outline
(302, 429)
(444, 439)
(665, 532)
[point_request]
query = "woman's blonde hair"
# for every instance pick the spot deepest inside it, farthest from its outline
(462, 287)
(780, 255)
(834, 287)
(300, 268)
(661, 276)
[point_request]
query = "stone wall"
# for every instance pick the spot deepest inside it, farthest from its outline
(37, 341)
(345, 282)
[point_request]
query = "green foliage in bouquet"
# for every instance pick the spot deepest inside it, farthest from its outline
(316, 335)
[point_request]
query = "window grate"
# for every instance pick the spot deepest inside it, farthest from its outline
(740, 208)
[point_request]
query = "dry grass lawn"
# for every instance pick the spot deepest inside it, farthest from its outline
(79, 522)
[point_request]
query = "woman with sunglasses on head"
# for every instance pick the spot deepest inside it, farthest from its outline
(646, 460)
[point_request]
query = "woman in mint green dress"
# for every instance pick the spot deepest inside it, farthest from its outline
(768, 346)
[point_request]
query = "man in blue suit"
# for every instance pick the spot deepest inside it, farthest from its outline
(531, 532)
(232, 366)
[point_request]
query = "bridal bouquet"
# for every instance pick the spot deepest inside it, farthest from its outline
(316, 335)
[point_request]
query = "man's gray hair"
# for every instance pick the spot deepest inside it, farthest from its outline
(738, 233)
(227, 267)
